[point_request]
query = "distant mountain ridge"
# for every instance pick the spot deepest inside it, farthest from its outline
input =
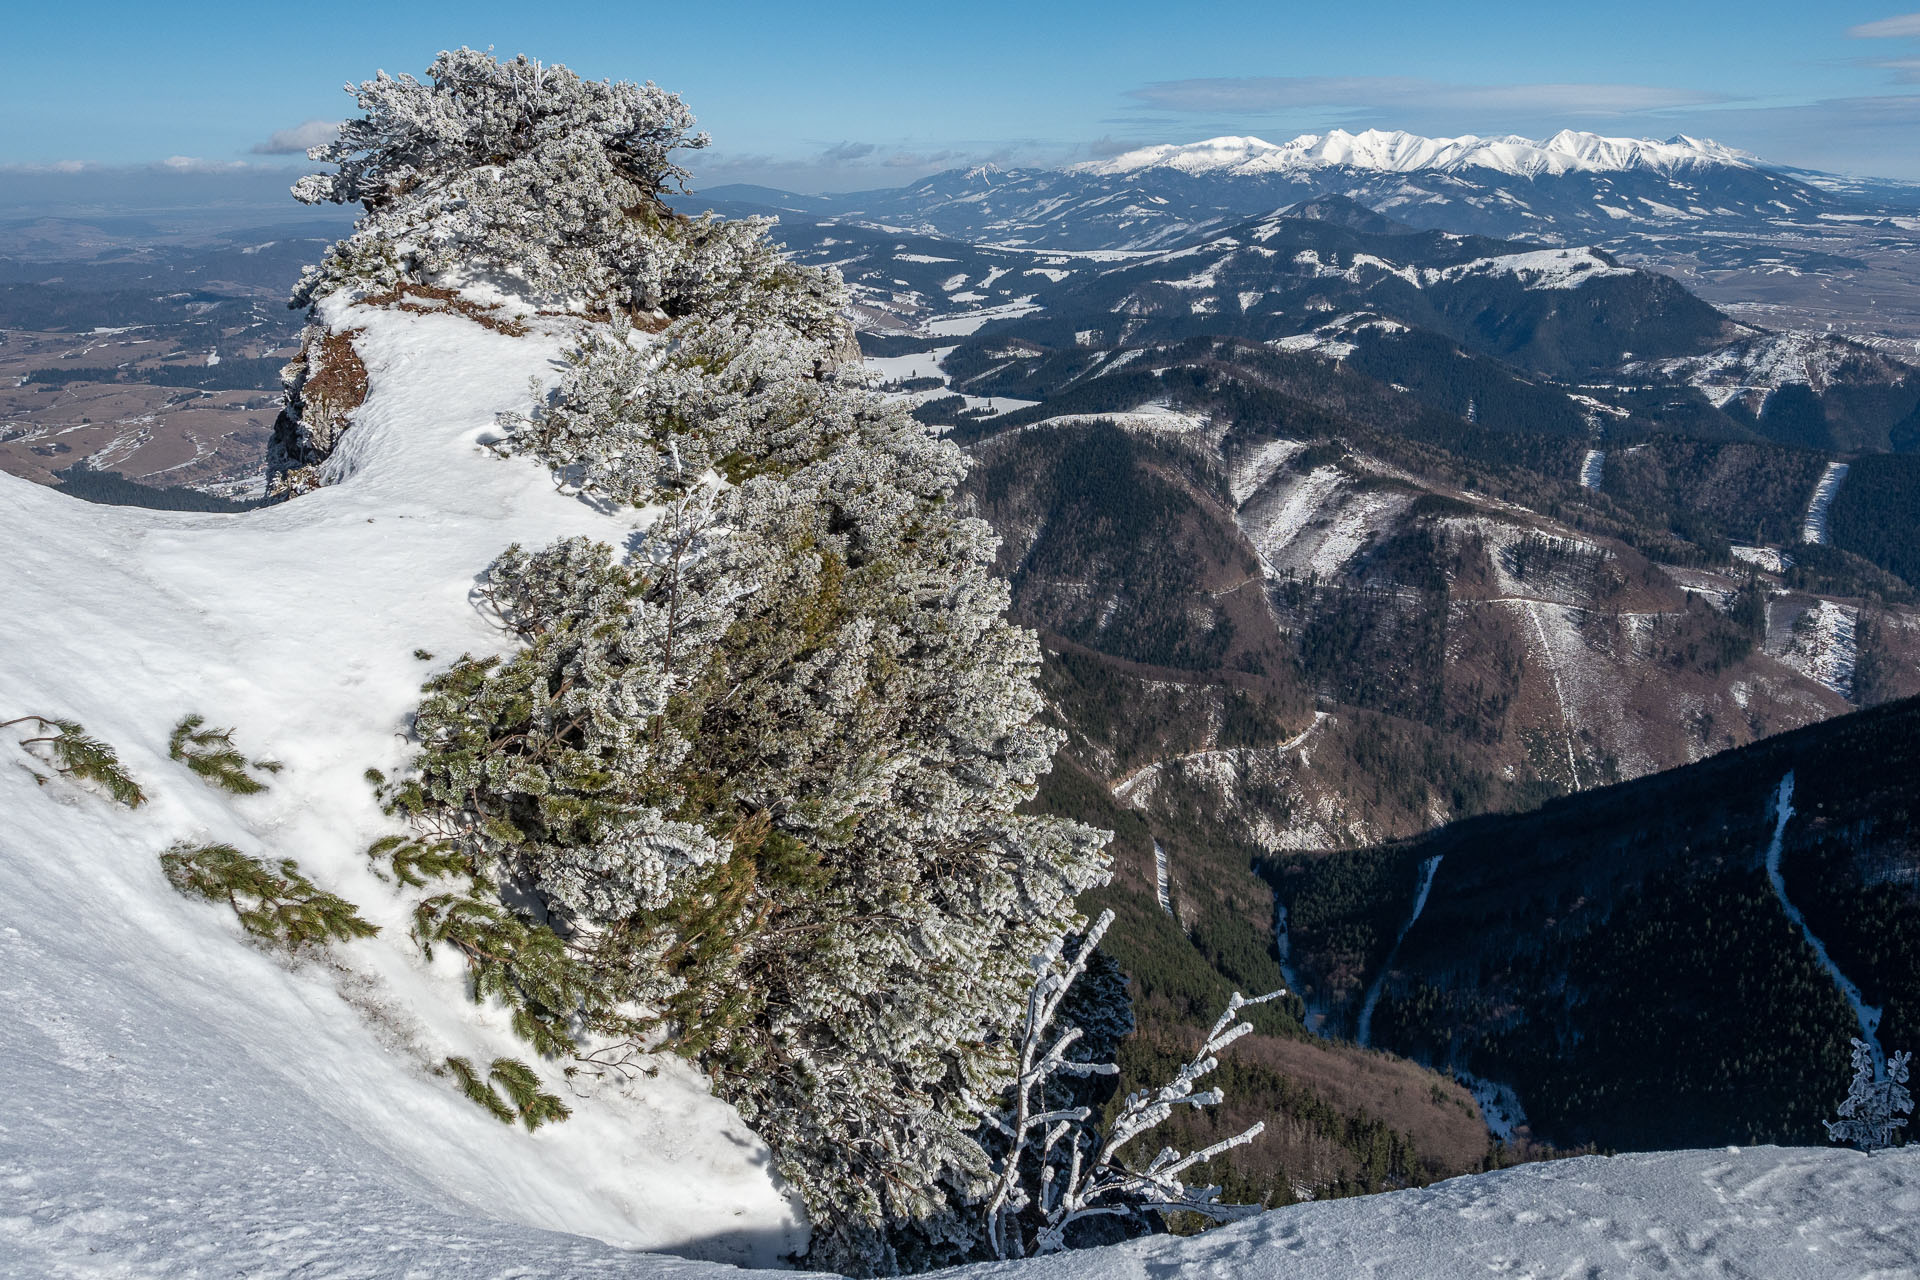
(1397, 151)
(1570, 188)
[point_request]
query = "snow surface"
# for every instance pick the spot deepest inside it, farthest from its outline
(1163, 878)
(1538, 268)
(1397, 151)
(918, 364)
(296, 625)
(969, 322)
(1145, 417)
(1758, 1213)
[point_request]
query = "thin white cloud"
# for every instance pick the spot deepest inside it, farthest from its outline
(295, 141)
(1905, 70)
(1906, 25)
(847, 152)
(1253, 95)
(194, 164)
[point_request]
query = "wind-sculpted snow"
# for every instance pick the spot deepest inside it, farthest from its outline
(1764, 1213)
(297, 625)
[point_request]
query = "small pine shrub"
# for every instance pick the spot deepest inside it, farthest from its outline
(525, 1101)
(281, 906)
(210, 753)
(74, 753)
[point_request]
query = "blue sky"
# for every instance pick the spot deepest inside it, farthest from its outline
(831, 96)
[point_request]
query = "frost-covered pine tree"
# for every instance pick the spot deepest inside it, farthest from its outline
(750, 786)
(1874, 1108)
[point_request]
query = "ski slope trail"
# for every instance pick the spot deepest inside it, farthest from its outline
(1865, 1014)
(1592, 468)
(1163, 877)
(1363, 1030)
(1559, 693)
(1814, 528)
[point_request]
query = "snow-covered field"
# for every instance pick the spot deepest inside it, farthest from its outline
(1824, 645)
(1767, 558)
(1317, 522)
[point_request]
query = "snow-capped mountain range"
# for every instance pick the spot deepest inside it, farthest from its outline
(1572, 188)
(1398, 151)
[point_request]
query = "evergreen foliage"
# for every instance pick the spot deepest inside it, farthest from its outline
(524, 1100)
(552, 181)
(747, 788)
(210, 753)
(76, 754)
(279, 905)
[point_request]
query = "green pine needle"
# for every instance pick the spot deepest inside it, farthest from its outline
(479, 1091)
(522, 1087)
(77, 755)
(282, 906)
(210, 753)
(415, 861)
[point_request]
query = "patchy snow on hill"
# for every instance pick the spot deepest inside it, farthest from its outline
(1592, 468)
(1768, 558)
(1823, 647)
(1539, 269)
(191, 1094)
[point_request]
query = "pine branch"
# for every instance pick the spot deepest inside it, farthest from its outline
(282, 907)
(74, 753)
(211, 755)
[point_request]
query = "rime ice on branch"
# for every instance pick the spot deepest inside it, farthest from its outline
(1054, 1168)
(1874, 1108)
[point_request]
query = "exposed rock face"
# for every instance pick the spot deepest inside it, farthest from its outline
(324, 384)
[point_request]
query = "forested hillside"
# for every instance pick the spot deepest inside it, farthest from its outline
(1621, 959)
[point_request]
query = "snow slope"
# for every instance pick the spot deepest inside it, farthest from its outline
(164, 1051)
(1762, 1213)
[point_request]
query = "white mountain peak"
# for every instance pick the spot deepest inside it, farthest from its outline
(1397, 151)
